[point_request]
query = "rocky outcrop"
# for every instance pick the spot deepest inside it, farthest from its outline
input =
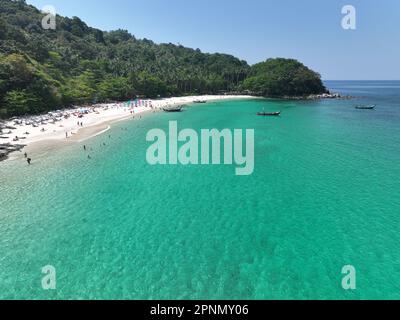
(7, 148)
(318, 97)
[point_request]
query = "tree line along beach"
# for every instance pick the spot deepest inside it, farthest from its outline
(45, 72)
(67, 125)
(19, 132)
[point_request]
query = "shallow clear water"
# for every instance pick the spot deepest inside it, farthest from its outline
(324, 194)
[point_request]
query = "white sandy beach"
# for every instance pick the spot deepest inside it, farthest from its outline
(96, 119)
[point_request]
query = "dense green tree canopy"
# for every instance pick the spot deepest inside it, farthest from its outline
(42, 70)
(77, 64)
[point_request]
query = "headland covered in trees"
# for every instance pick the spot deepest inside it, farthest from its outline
(44, 70)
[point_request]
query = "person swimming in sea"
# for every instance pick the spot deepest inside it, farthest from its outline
(29, 160)
(84, 147)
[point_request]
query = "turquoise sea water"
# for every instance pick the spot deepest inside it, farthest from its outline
(324, 194)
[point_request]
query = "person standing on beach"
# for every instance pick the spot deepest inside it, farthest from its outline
(66, 135)
(25, 155)
(29, 160)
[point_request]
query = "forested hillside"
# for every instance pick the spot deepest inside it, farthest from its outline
(42, 70)
(283, 77)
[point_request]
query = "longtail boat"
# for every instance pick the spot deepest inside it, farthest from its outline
(366, 107)
(269, 114)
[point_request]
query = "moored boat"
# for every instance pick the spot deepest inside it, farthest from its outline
(269, 114)
(366, 107)
(173, 109)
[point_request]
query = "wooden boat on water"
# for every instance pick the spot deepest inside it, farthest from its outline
(366, 107)
(269, 114)
(173, 109)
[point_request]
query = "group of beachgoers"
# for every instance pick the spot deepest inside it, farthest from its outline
(28, 160)
(85, 148)
(57, 116)
(54, 117)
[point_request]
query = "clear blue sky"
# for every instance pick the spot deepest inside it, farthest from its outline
(253, 30)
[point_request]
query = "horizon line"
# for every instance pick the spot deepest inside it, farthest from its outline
(360, 79)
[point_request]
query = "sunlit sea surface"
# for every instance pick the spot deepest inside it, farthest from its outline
(324, 194)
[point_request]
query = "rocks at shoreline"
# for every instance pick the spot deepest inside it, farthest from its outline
(319, 97)
(324, 96)
(328, 96)
(7, 148)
